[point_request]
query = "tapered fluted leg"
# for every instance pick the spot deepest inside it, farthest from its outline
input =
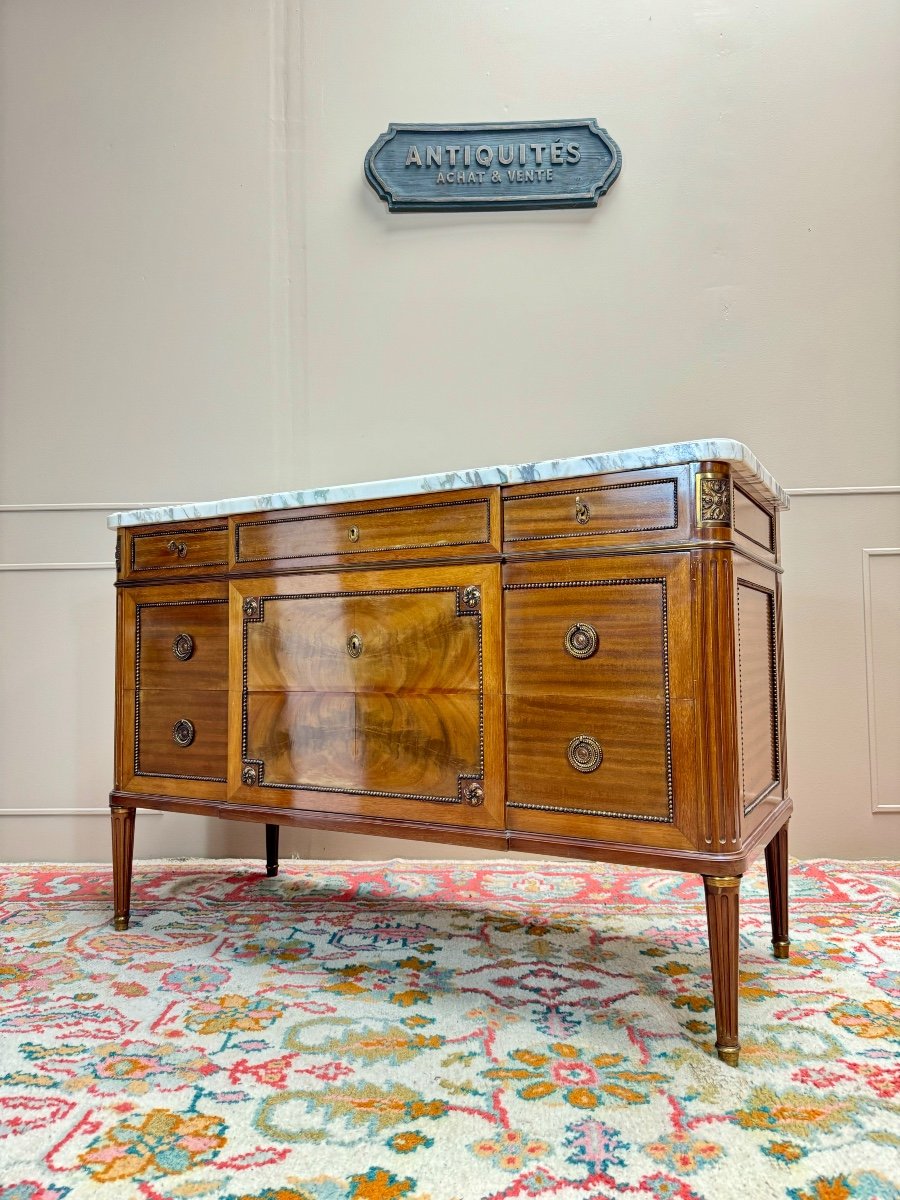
(722, 915)
(271, 850)
(123, 853)
(777, 872)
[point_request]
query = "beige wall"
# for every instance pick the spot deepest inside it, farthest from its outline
(202, 297)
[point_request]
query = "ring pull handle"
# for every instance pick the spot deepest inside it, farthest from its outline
(177, 548)
(581, 640)
(354, 645)
(582, 511)
(183, 647)
(353, 533)
(584, 753)
(183, 732)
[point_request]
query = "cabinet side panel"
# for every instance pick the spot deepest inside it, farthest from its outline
(758, 716)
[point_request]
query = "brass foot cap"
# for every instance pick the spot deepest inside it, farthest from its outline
(271, 872)
(781, 949)
(120, 922)
(729, 1054)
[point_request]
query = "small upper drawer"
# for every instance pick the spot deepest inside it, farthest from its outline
(633, 506)
(176, 550)
(409, 530)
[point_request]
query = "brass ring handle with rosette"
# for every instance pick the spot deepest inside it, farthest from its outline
(582, 511)
(584, 753)
(183, 647)
(581, 640)
(177, 548)
(183, 732)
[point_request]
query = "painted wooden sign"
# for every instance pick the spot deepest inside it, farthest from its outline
(451, 168)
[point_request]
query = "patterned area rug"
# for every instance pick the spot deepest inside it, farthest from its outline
(441, 1031)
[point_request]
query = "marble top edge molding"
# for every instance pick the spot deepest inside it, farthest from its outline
(745, 466)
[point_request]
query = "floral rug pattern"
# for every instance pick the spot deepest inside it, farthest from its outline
(442, 1031)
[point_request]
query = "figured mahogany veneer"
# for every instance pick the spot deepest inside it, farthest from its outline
(591, 667)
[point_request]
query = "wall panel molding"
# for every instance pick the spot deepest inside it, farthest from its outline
(878, 782)
(51, 566)
(85, 506)
(67, 812)
(887, 489)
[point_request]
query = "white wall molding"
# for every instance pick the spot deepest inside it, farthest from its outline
(887, 489)
(69, 812)
(51, 566)
(86, 506)
(867, 555)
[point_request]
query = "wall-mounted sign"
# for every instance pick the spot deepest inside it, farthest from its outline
(451, 168)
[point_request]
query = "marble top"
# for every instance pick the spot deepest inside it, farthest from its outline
(745, 467)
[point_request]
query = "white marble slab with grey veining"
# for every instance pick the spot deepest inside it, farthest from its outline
(745, 467)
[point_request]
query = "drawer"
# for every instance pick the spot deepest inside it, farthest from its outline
(375, 693)
(415, 529)
(599, 677)
(592, 637)
(411, 745)
(181, 644)
(635, 506)
(388, 641)
(590, 755)
(177, 550)
(181, 735)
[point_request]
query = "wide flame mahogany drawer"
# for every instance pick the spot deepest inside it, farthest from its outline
(196, 548)
(371, 692)
(361, 533)
(580, 514)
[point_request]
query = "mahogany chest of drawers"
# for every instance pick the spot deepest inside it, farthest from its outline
(587, 664)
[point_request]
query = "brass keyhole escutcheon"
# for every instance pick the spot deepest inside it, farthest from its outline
(581, 640)
(183, 732)
(354, 645)
(183, 646)
(584, 753)
(177, 548)
(353, 533)
(582, 511)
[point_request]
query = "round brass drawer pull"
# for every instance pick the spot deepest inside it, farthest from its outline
(183, 646)
(354, 645)
(582, 511)
(353, 533)
(581, 640)
(584, 753)
(183, 732)
(177, 548)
